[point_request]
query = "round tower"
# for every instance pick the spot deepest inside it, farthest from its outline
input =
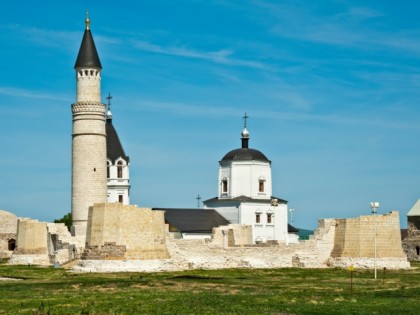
(89, 182)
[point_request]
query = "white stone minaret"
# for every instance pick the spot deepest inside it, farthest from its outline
(89, 162)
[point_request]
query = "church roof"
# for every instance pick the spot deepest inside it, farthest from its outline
(193, 220)
(245, 154)
(415, 210)
(246, 199)
(114, 148)
(88, 56)
(292, 229)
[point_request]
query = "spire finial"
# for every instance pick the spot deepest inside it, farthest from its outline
(109, 98)
(87, 21)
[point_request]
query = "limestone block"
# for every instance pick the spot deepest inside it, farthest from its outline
(140, 230)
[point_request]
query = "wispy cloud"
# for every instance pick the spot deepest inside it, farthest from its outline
(24, 93)
(185, 109)
(223, 56)
(358, 27)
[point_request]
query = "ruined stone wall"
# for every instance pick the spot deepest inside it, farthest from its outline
(31, 243)
(8, 229)
(355, 237)
(232, 235)
(119, 232)
(411, 243)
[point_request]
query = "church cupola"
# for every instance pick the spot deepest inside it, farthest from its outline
(245, 171)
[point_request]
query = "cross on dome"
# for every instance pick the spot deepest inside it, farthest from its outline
(245, 118)
(109, 98)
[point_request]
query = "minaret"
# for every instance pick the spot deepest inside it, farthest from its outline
(89, 183)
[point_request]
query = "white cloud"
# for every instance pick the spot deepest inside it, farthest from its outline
(223, 56)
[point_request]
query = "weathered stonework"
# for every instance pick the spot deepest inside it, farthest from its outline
(42, 243)
(8, 230)
(411, 243)
(218, 254)
(356, 237)
(116, 231)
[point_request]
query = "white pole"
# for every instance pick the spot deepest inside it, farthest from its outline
(375, 206)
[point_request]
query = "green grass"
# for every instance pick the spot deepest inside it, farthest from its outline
(236, 291)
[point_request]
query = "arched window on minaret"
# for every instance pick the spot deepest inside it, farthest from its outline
(108, 173)
(119, 169)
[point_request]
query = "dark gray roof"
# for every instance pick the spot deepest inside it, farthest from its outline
(292, 229)
(246, 199)
(114, 148)
(88, 56)
(245, 154)
(193, 220)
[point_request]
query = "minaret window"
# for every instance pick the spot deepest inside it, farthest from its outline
(120, 169)
(261, 184)
(224, 186)
(108, 175)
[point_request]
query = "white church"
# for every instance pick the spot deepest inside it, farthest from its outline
(245, 194)
(244, 187)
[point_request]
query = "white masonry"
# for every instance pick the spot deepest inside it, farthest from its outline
(89, 182)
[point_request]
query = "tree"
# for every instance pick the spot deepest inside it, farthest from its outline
(67, 219)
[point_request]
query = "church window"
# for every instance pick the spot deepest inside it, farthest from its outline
(224, 185)
(269, 218)
(418, 250)
(120, 198)
(119, 169)
(11, 244)
(258, 218)
(261, 185)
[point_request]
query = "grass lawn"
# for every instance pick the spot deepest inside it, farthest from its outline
(233, 291)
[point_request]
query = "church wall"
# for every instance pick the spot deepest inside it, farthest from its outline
(229, 210)
(245, 177)
(123, 232)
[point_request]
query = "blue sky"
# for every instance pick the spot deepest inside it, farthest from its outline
(332, 89)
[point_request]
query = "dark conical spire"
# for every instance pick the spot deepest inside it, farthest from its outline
(88, 56)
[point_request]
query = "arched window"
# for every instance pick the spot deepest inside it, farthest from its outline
(224, 185)
(11, 244)
(108, 175)
(261, 187)
(120, 169)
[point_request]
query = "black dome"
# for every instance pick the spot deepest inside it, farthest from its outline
(245, 154)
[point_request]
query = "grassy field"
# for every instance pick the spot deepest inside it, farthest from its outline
(239, 291)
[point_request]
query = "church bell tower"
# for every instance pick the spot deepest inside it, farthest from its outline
(89, 177)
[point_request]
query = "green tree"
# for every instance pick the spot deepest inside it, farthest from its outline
(66, 220)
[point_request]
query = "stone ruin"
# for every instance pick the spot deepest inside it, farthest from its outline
(128, 238)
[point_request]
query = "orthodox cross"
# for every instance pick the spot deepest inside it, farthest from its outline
(198, 200)
(245, 118)
(109, 98)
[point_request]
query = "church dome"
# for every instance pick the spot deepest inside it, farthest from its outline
(245, 154)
